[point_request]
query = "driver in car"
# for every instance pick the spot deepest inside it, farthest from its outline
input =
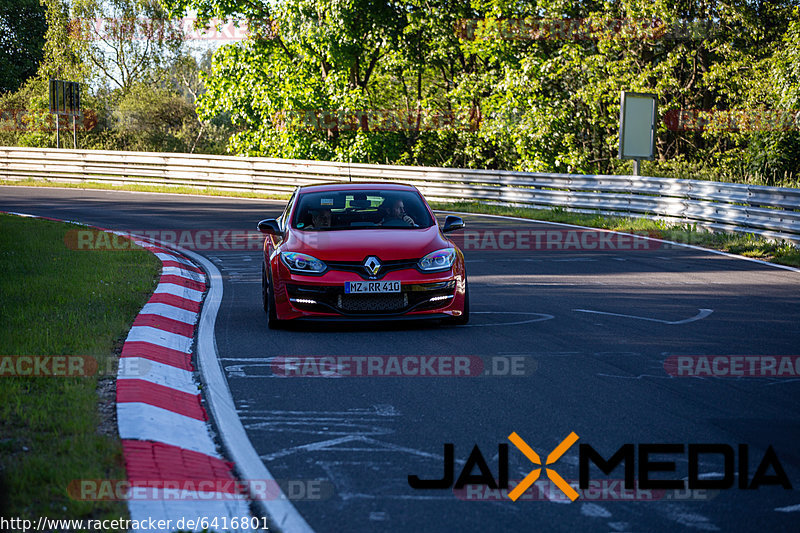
(397, 212)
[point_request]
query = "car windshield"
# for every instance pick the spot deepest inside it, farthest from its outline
(339, 210)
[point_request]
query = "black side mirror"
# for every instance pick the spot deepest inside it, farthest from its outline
(452, 223)
(270, 226)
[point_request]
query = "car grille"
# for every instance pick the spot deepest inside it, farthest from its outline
(358, 267)
(372, 303)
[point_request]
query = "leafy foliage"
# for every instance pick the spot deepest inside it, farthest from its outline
(524, 85)
(22, 28)
(123, 41)
(139, 90)
(544, 100)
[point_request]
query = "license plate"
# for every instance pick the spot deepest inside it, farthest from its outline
(366, 287)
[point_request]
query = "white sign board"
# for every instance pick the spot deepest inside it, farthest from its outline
(637, 125)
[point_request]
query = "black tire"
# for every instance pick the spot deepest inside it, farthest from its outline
(264, 285)
(464, 318)
(268, 295)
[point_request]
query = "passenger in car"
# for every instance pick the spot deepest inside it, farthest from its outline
(321, 218)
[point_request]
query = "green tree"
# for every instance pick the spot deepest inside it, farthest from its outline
(124, 40)
(154, 120)
(535, 84)
(774, 156)
(22, 27)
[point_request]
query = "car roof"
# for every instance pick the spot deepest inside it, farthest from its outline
(357, 186)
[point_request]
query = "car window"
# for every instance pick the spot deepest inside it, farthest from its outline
(283, 220)
(339, 210)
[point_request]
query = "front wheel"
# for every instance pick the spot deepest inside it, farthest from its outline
(268, 297)
(264, 285)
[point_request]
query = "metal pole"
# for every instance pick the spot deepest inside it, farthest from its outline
(57, 143)
(635, 167)
(74, 134)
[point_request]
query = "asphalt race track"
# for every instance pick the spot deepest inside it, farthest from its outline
(589, 332)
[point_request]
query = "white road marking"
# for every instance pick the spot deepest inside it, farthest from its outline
(619, 526)
(330, 446)
(315, 425)
(595, 511)
(640, 376)
(693, 520)
(699, 316)
(223, 410)
(789, 509)
(238, 371)
(710, 475)
(541, 317)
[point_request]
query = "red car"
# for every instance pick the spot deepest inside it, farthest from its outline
(362, 251)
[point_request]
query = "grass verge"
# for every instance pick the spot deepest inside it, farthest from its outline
(741, 244)
(58, 301)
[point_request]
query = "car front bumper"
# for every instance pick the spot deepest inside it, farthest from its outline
(322, 297)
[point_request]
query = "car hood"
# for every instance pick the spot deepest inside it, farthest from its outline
(355, 245)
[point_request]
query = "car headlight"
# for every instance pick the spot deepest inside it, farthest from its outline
(302, 263)
(439, 260)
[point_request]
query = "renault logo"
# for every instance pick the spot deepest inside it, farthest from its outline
(372, 265)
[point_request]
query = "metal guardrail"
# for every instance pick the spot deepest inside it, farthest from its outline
(773, 212)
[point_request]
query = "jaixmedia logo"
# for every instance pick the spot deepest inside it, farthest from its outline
(646, 466)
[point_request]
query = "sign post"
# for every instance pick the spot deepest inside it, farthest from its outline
(65, 99)
(637, 127)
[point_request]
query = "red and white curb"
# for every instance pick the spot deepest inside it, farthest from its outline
(163, 425)
(166, 440)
